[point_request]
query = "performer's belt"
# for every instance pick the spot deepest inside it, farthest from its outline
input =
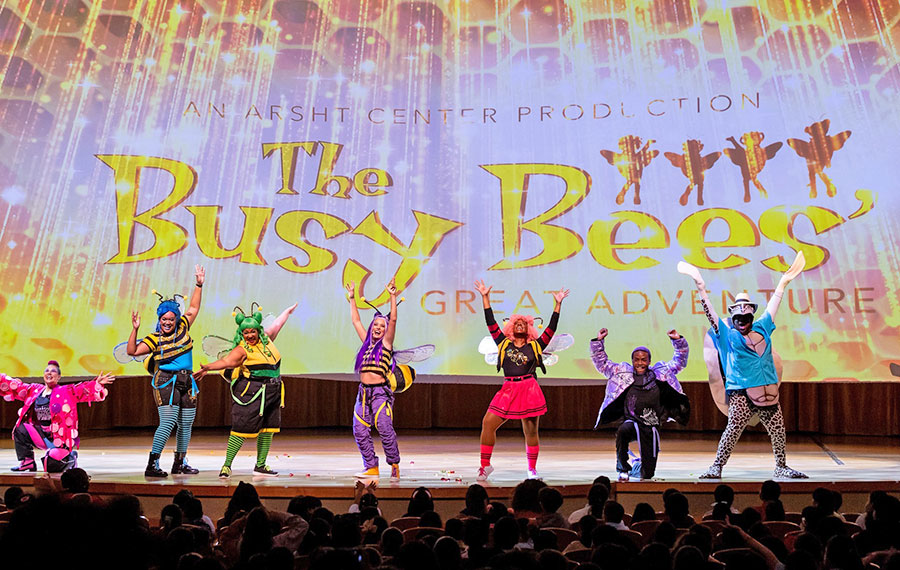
(519, 378)
(385, 383)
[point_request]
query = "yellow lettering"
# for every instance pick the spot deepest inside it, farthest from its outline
(292, 227)
(441, 305)
(288, 161)
(777, 224)
(521, 303)
(430, 232)
(558, 242)
(604, 246)
(368, 186)
(598, 297)
(168, 237)
(331, 152)
(207, 231)
(691, 234)
(626, 295)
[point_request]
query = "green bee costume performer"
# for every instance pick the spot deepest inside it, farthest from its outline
(253, 369)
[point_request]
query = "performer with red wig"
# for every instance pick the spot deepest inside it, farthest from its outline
(520, 350)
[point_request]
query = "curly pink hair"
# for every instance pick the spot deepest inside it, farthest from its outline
(533, 334)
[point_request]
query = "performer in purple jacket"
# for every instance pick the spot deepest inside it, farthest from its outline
(644, 397)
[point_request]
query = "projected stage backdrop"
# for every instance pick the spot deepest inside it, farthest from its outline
(294, 146)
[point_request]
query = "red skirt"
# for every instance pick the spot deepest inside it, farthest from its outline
(516, 400)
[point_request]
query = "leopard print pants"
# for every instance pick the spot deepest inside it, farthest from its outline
(740, 412)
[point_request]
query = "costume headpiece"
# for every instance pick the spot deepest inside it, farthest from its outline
(251, 321)
(742, 305)
(167, 305)
(510, 322)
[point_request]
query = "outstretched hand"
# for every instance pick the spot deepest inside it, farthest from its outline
(135, 320)
(601, 334)
(105, 379)
(691, 271)
(673, 334)
(796, 268)
(482, 288)
(351, 290)
(391, 288)
(558, 296)
(204, 370)
(199, 275)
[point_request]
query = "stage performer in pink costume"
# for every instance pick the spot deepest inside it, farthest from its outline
(375, 399)
(48, 420)
(520, 350)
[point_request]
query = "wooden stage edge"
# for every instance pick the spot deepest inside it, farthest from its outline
(323, 463)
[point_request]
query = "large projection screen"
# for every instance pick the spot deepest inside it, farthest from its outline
(292, 147)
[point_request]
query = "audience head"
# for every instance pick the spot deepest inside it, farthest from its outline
(75, 480)
(476, 500)
(770, 491)
(525, 496)
(724, 494)
(419, 502)
(643, 512)
(550, 499)
(613, 512)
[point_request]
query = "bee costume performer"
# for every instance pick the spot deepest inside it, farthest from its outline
(253, 371)
(170, 361)
(520, 350)
(382, 371)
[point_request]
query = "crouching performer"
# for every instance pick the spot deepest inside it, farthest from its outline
(48, 420)
(644, 397)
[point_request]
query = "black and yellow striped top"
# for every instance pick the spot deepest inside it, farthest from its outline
(263, 361)
(382, 367)
(166, 349)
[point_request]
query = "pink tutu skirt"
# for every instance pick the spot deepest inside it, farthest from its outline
(517, 400)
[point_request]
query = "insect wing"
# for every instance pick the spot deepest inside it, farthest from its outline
(216, 346)
(560, 342)
(487, 345)
(491, 358)
(416, 354)
(550, 359)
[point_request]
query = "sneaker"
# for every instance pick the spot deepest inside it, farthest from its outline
(395, 471)
(368, 473)
(483, 472)
(624, 476)
(785, 472)
(26, 464)
(714, 472)
(225, 473)
(533, 474)
(264, 470)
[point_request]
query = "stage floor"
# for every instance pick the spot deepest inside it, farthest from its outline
(323, 462)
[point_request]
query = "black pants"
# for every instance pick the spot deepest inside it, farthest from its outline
(647, 438)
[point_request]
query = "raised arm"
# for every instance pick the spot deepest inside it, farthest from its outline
(489, 320)
(550, 329)
(599, 356)
(694, 273)
(388, 341)
(133, 348)
(232, 360)
(795, 269)
(680, 358)
(11, 388)
(194, 307)
(92, 390)
(275, 328)
(354, 311)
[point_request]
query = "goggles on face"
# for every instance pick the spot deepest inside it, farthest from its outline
(742, 309)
